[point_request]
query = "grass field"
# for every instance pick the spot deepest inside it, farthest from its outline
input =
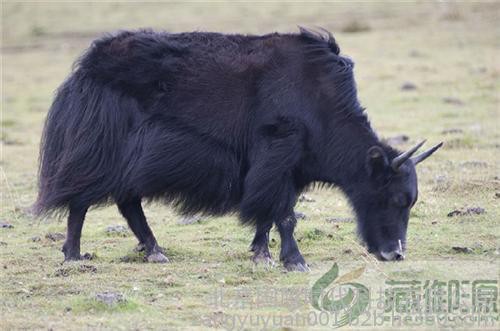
(425, 70)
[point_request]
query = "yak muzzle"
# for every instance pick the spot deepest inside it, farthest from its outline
(395, 255)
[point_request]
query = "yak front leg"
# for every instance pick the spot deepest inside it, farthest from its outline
(270, 190)
(290, 255)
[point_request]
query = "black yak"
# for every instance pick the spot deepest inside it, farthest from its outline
(214, 123)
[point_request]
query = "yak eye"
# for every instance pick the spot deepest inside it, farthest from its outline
(401, 200)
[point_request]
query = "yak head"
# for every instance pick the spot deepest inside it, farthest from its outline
(383, 203)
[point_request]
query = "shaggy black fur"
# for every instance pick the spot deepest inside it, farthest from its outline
(216, 123)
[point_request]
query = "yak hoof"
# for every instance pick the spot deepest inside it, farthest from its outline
(72, 258)
(156, 257)
(263, 259)
(78, 257)
(295, 262)
(300, 267)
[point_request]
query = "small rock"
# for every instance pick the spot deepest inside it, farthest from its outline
(467, 211)
(408, 86)
(89, 256)
(119, 230)
(476, 128)
(497, 195)
(453, 101)
(348, 251)
(189, 219)
(439, 179)
(397, 140)
(6, 225)
(3, 243)
(340, 220)
(459, 249)
(434, 222)
(305, 198)
(300, 216)
(55, 236)
(476, 210)
(452, 131)
(110, 298)
(35, 239)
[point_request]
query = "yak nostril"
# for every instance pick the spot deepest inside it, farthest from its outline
(398, 256)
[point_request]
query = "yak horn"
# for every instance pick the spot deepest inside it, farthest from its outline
(329, 34)
(398, 161)
(420, 157)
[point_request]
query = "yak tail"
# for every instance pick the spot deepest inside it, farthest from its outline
(82, 143)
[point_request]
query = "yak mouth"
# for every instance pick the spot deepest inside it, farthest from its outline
(391, 256)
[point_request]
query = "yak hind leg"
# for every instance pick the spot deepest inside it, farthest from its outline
(260, 245)
(71, 247)
(133, 213)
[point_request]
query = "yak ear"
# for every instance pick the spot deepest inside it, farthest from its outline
(376, 161)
